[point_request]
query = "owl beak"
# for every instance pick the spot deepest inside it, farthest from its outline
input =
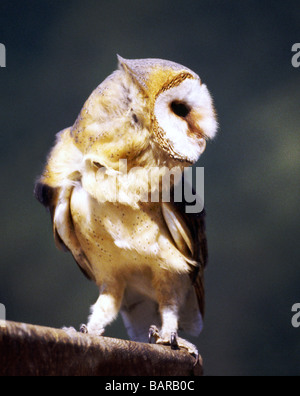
(193, 120)
(202, 145)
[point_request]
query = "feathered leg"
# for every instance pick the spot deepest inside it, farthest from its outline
(106, 308)
(171, 294)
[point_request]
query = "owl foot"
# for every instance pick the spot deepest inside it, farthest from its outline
(174, 341)
(86, 329)
(83, 329)
(155, 334)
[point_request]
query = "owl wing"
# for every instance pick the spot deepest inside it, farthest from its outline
(54, 190)
(188, 233)
(57, 201)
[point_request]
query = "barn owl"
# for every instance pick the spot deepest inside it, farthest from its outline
(146, 256)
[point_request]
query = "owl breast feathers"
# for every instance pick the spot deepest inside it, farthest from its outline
(103, 185)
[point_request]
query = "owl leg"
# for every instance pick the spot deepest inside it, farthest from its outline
(174, 341)
(168, 334)
(170, 294)
(105, 310)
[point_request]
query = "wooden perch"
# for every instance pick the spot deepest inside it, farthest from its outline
(28, 350)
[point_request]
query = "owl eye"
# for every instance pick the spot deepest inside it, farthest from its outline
(181, 109)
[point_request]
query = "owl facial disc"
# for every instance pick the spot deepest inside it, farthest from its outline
(185, 119)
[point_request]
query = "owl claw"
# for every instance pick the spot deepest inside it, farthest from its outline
(174, 341)
(153, 334)
(94, 331)
(83, 329)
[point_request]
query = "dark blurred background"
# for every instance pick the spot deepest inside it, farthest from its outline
(58, 52)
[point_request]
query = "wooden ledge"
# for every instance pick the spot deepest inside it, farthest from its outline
(29, 350)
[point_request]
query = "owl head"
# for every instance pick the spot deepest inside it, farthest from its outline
(182, 114)
(146, 103)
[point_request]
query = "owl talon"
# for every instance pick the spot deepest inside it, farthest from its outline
(83, 329)
(153, 334)
(94, 331)
(174, 343)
